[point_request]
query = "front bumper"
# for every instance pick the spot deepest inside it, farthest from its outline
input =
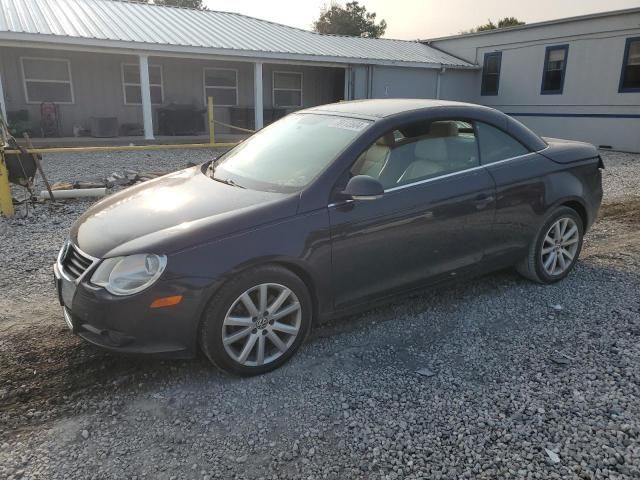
(128, 324)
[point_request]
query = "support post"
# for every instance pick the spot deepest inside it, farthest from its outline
(212, 123)
(147, 113)
(258, 97)
(6, 202)
(438, 81)
(347, 84)
(3, 107)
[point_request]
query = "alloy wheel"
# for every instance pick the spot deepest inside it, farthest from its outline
(559, 246)
(261, 324)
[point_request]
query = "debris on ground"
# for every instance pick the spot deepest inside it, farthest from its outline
(561, 360)
(553, 456)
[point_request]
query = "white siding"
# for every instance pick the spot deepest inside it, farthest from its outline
(594, 62)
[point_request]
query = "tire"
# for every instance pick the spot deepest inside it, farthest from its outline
(536, 265)
(233, 344)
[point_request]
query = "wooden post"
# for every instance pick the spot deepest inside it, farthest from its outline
(36, 158)
(6, 202)
(212, 128)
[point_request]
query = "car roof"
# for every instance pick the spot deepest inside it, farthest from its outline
(379, 109)
(385, 107)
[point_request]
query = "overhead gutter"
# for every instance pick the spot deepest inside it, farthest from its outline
(527, 26)
(60, 42)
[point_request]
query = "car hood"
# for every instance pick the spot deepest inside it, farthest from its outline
(174, 212)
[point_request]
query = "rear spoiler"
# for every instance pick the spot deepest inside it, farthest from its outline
(570, 151)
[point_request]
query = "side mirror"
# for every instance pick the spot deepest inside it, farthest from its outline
(363, 187)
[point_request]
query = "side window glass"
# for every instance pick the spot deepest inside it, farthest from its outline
(418, 152)
(496, 145)
(373, 160)
(445, 147)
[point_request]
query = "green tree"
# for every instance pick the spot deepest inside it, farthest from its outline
(199, 4)
(352, 20)
(505, 22)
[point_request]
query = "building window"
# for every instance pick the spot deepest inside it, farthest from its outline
(287, 89)
(222, 85)
(630, 76)
(491, 73)
(131, 84)
(555, 66)
(47, 80)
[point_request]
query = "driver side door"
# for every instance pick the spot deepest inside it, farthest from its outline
(433, 221)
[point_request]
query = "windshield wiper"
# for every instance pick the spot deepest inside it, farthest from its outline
(228, 181)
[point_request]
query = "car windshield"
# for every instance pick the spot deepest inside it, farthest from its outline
(287, 155)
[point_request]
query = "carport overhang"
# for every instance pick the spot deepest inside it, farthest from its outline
(144, 50)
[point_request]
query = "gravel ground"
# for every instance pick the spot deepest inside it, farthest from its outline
(495, 378)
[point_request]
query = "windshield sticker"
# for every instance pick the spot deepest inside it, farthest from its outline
(348, 124)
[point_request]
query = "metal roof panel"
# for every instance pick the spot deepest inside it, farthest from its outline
(140, 24)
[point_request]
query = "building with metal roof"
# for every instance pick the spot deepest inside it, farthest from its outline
(126, 68)
(126, 24)
(112, 66)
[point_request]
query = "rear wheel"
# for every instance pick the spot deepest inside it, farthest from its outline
(555, 250)
(257, 321)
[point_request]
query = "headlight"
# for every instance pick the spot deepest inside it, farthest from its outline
(129, 275)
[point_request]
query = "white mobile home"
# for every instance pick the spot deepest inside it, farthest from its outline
(575, 78)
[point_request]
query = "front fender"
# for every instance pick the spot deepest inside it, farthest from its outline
(301, 243)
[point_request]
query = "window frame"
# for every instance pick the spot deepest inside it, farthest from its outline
(225, 87)
(625, 61)
(273, 89)
(545, 68)
(25, 80)
(483, 86)
(126, 84)
(473, 121)
(468, 120)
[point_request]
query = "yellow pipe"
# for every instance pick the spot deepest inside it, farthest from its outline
(6, 202)
(121, 148)
(212, 131)
(234, 127)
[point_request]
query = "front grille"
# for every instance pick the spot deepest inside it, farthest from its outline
(75, 263)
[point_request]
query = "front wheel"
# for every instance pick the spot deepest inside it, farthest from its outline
(257, 321)
(555, 250)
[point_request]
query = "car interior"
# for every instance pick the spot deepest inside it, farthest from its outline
(419, 151)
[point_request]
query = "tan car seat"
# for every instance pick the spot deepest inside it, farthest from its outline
(373, 160)
(430, 152)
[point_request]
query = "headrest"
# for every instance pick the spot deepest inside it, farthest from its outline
(387, 140)
(443, 129)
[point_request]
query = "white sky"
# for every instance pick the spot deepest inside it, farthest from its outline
(412, 19)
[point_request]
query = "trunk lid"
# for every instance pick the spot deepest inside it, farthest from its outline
(569, 151)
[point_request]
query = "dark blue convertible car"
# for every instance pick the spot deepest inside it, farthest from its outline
(325, 212)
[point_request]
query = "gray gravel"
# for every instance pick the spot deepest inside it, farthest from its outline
(494, 378)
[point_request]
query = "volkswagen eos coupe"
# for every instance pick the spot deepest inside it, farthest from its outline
(325, 212)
